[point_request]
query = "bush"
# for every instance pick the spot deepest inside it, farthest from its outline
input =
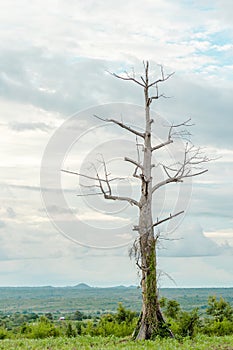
(121, 324)
(78, 326)
(188, 323)
(124, 315)
(3, 333)
(70, 331)
(122, 329)
(44, 328)
(172, 309)
(218, 328)
(219, 309)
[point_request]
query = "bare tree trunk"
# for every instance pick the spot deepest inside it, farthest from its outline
(151, 319)
(151, 315)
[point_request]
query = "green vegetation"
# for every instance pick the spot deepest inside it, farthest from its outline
(110, 343)
(217, 321)
(60, 300)
(197, 328)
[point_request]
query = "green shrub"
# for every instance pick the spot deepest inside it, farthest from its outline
(106, 328)
(218, 328)
(43, 328)
(70, 331)
(78, 326)
(171, 308)
(88, 328)
(120, 325)
(124, 315)
(188, 323)
(219, 309)
(3, 333)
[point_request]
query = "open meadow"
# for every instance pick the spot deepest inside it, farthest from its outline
(111, 343)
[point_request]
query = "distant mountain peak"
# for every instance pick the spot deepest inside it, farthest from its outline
(82, 286)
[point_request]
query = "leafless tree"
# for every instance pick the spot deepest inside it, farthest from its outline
(144, 247)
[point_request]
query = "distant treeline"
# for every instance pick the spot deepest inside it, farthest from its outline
(97, 300)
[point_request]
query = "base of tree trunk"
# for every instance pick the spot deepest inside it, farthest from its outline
(145, 331)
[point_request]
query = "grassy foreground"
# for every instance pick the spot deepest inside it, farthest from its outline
(111, 343)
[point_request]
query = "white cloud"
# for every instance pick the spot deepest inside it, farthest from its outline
(190, 241)
(223, 237)
(198, 272)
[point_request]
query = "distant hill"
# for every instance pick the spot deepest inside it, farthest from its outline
(86, 286)
(123, 287)
(82, 286)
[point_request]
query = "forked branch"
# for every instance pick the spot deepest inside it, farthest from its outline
(145, 82)
(191, 166)
(104, 184)
(174, 132)
(128, 77)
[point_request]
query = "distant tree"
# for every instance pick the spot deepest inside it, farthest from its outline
(78, 315)
(144, 248)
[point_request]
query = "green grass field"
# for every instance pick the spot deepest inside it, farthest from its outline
(111, 343)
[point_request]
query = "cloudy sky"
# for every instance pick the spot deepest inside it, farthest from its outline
(55, 57)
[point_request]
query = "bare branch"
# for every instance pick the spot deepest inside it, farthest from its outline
(119, 198)
(128, 77)
(82, 175)
(168, 239)
(196, 174)
(89, 194)
(163, 144)
(104, 182)
(185, 123)
(89, 186)
(138, 165)
(160, 237)
(138, 161)
(161, 80)
(145, 81)
(191, 166)
(122, 125)
(136, 175)
(91, 177)
(108, 194)
(161, 273)
(165, 182)
(165, 169)
(168, 218)
(174, 134)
